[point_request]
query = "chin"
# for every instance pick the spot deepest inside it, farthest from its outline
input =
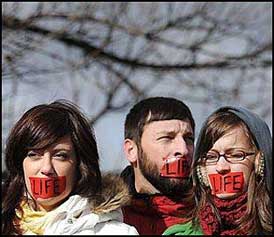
(51, 201)
(227, 195)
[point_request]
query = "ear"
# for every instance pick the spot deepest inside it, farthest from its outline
(259, 164)
(256, 162)
(202, 175)
(131, 150)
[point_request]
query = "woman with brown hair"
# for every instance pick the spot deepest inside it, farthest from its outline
(232, 176)
(54, 184)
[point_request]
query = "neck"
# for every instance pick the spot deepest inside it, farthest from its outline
(46, 208)
(142, 185)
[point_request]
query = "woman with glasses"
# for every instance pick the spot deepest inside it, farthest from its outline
(232, 176)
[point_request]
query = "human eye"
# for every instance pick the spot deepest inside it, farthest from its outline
(211, 156)
(61, 156)
(165, 138)
(236, 155)
(33, 155)
(189, 140)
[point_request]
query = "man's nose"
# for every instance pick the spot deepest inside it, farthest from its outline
(47, 166)
(181, 148)
(222, 166)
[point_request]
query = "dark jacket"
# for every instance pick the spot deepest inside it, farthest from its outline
(152, 214)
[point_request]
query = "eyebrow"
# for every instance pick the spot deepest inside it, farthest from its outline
(186, 132)
(231, 149)
(53, 149)
(62, 149)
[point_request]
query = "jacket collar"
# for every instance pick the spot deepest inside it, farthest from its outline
(114, 194)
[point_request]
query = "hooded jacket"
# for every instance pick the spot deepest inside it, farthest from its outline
(153, 214)
(100, 215)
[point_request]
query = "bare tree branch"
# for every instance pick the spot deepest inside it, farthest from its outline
(16, 24)
(137, 47)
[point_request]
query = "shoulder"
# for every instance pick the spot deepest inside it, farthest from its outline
(114, 195)
(184, 229)
(115, 227)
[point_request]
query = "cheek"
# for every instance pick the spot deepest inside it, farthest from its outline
(247, 172)
(210, 169)
(69, 172)
(29, 170)
(70, 180)
(190, 148)
(155, 154)
(27, 182)
(190, 152)
(246, 169)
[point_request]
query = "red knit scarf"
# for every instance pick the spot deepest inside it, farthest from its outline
(154, 214)
(229, 210)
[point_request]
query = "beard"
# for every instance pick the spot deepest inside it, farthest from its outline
(177, 187)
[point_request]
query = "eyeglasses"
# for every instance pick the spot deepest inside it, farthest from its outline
(234, 156)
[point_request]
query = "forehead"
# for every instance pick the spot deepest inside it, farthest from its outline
(236, 137)
(173, 125)
(62, 143)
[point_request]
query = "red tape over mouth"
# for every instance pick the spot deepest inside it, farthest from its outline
(229, 183)
(47, 187)
(175, 168)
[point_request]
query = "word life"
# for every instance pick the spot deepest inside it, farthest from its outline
(230, 183)
(47, 187)
(175, 168)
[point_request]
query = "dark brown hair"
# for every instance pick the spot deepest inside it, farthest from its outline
(40, 127)
(258, 217)
(155, 109)
(159, 109)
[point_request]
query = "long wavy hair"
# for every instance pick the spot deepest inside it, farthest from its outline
(258, 217)
(38, 128)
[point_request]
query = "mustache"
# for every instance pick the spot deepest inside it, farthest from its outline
(166, 185)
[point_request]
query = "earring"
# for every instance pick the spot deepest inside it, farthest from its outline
(201, 173)
(260, 168)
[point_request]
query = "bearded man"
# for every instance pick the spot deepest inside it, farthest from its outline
(159, 144)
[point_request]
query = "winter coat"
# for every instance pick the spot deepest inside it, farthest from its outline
(152, 214)
(100, 215)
